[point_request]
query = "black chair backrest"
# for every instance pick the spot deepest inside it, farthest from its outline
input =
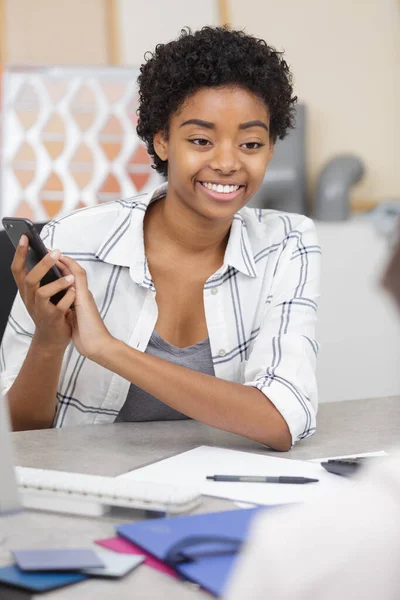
(7, 284)
(391, 277)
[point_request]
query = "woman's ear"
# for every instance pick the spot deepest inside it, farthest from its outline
(160, 143)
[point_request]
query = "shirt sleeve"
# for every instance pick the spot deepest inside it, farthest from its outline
(17, 338)
(283, 359)
(15, 344)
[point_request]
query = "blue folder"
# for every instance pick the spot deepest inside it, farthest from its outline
(202, 548)
(36, 582)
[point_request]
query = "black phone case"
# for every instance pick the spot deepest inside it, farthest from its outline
(14, 228)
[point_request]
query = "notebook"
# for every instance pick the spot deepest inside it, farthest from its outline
(209, 543)
(115, 565)
(56, 559)
(35, 582)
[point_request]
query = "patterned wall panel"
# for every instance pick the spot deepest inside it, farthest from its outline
(69, 140)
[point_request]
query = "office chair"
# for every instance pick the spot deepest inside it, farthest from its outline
(284, 186)
(8, 285)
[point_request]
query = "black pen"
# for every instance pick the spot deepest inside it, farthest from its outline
(261, 479)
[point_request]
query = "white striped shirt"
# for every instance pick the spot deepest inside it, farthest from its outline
(260, 308)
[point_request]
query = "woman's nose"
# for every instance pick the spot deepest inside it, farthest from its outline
(225, 160)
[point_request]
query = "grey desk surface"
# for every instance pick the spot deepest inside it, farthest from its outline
(343, 428)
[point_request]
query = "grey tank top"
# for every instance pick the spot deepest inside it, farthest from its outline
(141, 406)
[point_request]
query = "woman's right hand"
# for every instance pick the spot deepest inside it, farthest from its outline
(52, 326)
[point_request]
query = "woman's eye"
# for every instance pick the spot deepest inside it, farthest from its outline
(200, 142)
(253, 145)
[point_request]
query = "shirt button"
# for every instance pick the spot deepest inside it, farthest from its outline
(214, 291)
(221, 352)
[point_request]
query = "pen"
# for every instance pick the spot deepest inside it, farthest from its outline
(261, 479)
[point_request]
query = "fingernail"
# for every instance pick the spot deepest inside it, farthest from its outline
(22, 240)
(69, 278)
(55, 254)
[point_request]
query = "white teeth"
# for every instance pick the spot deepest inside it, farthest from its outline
(221, 189)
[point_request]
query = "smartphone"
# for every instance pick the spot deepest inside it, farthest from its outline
(14, 228)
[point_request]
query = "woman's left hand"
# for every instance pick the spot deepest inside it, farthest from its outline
(89, 334)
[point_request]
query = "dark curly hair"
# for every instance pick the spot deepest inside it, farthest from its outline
(211, 57)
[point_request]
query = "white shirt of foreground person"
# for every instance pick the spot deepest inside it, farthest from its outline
(346, 547)
(260, 309)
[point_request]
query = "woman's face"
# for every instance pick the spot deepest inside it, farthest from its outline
(217, 149)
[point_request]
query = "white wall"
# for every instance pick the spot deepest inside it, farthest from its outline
(345, 55)
(145, 24)
(56, 32)
(77, 31)
(359, 325)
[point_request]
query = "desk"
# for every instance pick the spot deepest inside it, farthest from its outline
(343, 428)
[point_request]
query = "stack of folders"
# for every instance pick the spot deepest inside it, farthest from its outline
(43, 570)
(201, 548)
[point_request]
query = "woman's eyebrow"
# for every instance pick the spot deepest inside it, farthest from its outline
(200, 123)
(256, 123)
(210, 125)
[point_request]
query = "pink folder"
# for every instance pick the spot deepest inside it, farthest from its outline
(118, 544)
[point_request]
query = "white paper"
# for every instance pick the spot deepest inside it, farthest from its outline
(193, 466)
(245, 505)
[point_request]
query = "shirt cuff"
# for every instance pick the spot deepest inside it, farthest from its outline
(295, 408)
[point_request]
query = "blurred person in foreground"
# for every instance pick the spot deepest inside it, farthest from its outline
(346, 547)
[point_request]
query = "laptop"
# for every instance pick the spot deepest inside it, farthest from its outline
(9, 498)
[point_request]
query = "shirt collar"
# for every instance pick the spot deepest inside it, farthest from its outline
(239, 253)
(124, 243)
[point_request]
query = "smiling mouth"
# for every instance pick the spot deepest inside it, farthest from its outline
(221, 193)
(221, 188)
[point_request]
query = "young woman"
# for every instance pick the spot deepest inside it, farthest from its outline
(187, 304)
